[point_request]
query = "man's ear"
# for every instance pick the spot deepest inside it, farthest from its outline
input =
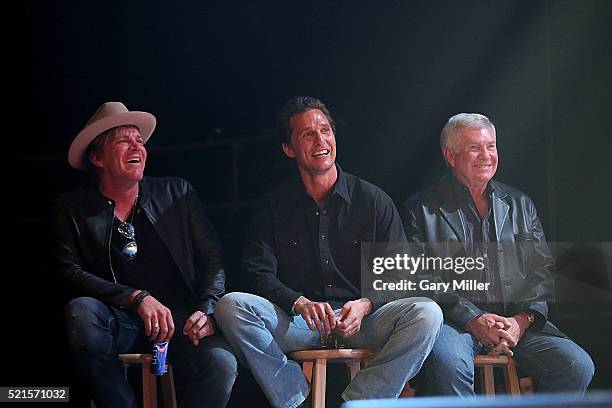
(449, 156)
(288, 150)
(95, 160)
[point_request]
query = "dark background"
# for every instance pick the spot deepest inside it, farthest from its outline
(391, 72)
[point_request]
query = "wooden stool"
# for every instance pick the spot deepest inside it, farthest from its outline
(149, 382)
(486, 364)
(314, 366)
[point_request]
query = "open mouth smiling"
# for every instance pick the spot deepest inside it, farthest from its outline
(134, 160)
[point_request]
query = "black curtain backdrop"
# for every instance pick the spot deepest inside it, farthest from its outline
(216, 73)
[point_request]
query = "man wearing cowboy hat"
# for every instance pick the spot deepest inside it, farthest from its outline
(141, 260)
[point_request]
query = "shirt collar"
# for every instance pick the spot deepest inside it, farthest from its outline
(463, 192)
(340, 188)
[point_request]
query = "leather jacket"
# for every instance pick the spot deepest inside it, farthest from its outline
(524, 260)
(82, 222)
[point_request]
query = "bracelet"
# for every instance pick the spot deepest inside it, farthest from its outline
(138, 300)
(293, 307)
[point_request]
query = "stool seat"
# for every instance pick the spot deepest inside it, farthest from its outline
(339, 355)
(314, 366)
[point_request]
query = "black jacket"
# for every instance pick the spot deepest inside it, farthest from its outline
(82, 222)
(524, 260)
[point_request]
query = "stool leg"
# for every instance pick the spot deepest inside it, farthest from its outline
(526, 385)
(489, 380)
(353, 367)
(318, 383)
(307, 370)
(149, 386)
(511, 378)
(408, 391)
(168, 391)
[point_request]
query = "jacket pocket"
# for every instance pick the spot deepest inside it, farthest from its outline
(524, 236)
(525, 250)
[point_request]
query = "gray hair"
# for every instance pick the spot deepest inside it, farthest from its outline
(450, 131)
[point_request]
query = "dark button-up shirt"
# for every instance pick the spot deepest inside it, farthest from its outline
(295, 248)
(480, 242)
(153, 268)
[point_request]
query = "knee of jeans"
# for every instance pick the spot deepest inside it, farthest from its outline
(83, 320)
(224, 363)
(450, 361)
(226, 307)
(583, 367)
(430, 313)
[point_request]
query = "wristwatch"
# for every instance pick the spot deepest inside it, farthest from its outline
(530, 317)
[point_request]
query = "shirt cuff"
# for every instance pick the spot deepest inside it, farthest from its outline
(465, 326)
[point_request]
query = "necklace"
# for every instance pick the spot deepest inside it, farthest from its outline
(127, 231)
(133, 210)
(127, 228)
(131, 213)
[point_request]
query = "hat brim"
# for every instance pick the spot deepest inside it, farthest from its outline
(77, 156)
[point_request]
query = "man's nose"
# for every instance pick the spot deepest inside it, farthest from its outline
(319, 137)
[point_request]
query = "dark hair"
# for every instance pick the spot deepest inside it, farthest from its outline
(96, 146)
(295, 105)
(98, 143)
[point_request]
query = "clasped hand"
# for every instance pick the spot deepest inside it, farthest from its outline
(497, 333)
(321, 316)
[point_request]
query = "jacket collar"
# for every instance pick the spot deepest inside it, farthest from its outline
(144, 195)
(450, 208)
(95, 200)
(500, 209)
(98, 202)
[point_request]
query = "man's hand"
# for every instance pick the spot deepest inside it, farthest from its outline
(198, 326)
(351, 315)
(319, 315)
(501, 348)
(490, 329)
(518, 325)
(157, 320)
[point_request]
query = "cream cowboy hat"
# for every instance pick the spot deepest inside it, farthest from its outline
(108, 116)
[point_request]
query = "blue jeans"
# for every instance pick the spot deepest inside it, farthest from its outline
(555, 364)
(97, 333)
(261, 334)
